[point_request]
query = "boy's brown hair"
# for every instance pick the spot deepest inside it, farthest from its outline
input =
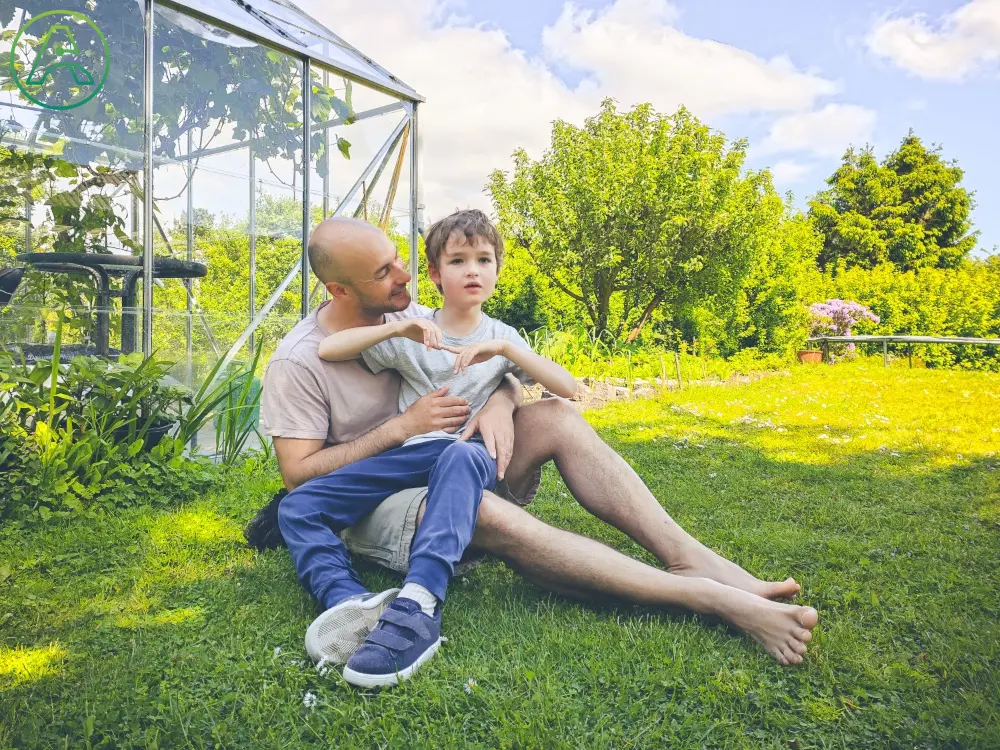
(472, 223)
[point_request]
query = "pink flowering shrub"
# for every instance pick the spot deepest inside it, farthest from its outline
(836, 317)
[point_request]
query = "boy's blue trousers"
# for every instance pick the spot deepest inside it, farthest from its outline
(312, 515)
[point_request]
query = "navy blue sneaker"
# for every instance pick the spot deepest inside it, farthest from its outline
(403, 639)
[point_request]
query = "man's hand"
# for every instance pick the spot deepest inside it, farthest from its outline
(433, 412)
(495, 422)
(421, 330)
(473, 354)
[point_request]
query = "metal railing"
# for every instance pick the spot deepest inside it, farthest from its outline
(825, 342)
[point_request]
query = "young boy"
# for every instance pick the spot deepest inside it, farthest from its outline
(458, 346)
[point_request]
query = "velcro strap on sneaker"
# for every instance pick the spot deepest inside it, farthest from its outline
(389, 640)
(404, 620)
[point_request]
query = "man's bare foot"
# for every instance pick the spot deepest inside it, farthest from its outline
(701, 562)
(782, 629)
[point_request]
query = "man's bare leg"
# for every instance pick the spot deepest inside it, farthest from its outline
(604, 484)
(576, 566)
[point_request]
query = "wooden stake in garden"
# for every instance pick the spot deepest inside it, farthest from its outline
(677, 364)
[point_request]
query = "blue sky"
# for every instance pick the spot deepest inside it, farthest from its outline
(960, 116)
(801, 80)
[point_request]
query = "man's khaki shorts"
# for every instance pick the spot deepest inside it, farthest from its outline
(385, 535)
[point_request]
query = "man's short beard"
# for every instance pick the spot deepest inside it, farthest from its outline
(376, 307)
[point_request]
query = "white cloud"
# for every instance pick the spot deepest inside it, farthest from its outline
(955, 46)
(787, 171)
(632, 50)
(485, 97)
(825, 132)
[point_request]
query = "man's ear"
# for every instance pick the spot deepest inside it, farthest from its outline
(336, 289)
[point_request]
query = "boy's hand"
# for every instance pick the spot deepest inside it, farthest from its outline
(473, 354)
(421, 330)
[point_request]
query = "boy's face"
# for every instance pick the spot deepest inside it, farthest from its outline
(466, 273)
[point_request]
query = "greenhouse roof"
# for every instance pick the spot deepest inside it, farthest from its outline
(281, 24)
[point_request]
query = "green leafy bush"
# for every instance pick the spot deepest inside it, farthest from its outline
(602, 357)
(963, 301)
(94, 434)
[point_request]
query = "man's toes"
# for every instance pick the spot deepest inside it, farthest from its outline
(797, 646)
(780, 656)
(780, 590)
(803, 635)
(791, 655)
(808, 617)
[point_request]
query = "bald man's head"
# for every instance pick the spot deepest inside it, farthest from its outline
(339, 247)
(355, 259)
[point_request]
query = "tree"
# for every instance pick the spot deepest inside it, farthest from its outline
(634, 212)
(210, 86)
(909, 210)
(767, 313)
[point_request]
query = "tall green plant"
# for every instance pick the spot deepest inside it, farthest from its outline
(237, 421)
(229, 393)
(909, 210)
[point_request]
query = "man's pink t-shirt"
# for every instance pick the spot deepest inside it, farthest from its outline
(306, 397)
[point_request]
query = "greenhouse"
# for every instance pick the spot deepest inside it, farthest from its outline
(161, 165)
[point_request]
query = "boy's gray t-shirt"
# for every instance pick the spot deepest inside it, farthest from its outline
(425, 370)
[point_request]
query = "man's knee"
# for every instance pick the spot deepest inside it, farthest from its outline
(291, 507)
(491, 513)
(556, 416)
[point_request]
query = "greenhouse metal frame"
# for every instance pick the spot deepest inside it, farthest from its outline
(279, 26)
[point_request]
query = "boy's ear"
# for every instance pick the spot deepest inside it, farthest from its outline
(435, 275)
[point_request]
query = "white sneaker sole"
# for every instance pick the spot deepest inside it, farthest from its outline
(361, 679)
(336, 634)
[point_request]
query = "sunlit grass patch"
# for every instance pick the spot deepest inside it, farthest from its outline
(890, 523)
(191, 616)
(21, 665)
(194, 527)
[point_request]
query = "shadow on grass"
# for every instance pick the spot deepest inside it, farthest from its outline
(162, 615)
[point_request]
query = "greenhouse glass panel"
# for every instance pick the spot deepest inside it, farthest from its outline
(228, 135)
(71, 161)
(284, 24)
(243, 160)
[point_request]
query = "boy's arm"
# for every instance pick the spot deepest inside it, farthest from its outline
(554, 377)
(495, 422)
(349, 343)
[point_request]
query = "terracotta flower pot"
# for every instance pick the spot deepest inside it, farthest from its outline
(810, 356)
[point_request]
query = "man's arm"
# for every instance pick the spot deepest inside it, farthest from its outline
(300, 460)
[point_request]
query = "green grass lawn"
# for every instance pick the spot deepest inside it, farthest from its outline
(879, 490)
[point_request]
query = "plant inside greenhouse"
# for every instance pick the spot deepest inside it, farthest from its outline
(161, 164)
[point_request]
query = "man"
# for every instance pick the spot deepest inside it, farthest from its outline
(325, 415)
